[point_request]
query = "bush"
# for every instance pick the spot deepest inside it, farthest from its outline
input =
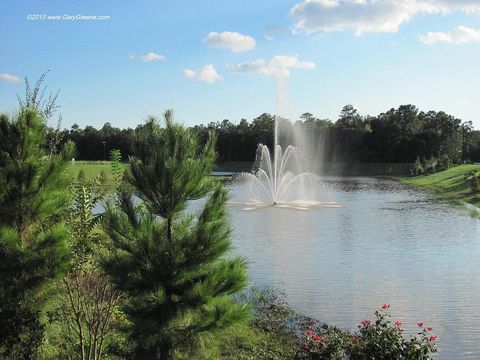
(383, 340)
(474, 183)
(445, 162)
(418, 166)
(379, 340)
(81, 176)
(103, 178)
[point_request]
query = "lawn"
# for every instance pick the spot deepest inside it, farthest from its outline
(92, 169)
(449, 184)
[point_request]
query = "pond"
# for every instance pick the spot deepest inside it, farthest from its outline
(389, 243)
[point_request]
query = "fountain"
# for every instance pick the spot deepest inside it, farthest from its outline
(282, 180)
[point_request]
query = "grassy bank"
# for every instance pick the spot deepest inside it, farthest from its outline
(449, 185)
(92, 169)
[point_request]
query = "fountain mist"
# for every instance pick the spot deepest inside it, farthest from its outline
(282, 178)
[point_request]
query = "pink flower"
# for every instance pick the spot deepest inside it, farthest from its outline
(429, 328)
(420, 324)
(310, 332)
(307, 347)
(385, 306)
(365, 323)
(318, 339)
(433, 338)
(398, 323)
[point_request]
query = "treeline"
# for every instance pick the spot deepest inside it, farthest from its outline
(401, 135)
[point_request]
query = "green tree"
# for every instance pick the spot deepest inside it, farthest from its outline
(418, 166)
(474, 183)
(349, 118)
(171, 265)
(33, 239)
(81, 176)
(103, 178)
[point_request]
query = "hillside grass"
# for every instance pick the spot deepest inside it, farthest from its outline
(449, 185)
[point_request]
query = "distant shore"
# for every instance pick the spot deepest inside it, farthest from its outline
(449, 185)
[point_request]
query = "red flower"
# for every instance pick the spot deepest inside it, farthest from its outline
(307, 347)
(433, 338)
(420, 324)
(310, 332)
(365, 323)
(385, 306)
(429, 328)
(398, 323)
(318, 339)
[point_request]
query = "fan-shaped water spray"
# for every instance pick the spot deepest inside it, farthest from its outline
(284, 178)
(281, 180)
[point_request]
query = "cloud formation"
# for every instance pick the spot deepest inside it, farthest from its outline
(10, 78)
(365, 16)
(151, 56)
(279, 66)
(459, 35)
(206, 74)
(233, 41)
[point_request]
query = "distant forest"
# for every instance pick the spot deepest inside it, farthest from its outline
(397, 135)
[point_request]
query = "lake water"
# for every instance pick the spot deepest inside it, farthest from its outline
(389, 243)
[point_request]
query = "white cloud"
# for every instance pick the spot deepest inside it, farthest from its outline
(151, 56)
(279, 65)
(234, 41)
(459, 35)
(10, 78)
(207, 74)
(369, 15)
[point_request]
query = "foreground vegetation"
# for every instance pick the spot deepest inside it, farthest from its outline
(145, 279)
(453, 184)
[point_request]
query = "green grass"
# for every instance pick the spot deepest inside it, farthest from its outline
(93, 169)
(449, 185)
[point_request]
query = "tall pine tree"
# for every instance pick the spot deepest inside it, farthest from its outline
(33, 239)
(169, 262)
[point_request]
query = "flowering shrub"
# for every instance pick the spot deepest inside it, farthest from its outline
(332, 346)
(379, 340)
(384, 340)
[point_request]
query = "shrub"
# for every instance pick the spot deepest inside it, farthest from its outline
(81, 176)
(474, 183)
(379, 340)
(418, 166)
(103, 178)
(384, 340)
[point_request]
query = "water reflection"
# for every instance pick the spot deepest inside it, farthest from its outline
(389, 244)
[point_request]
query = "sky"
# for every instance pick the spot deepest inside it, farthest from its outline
(121, 61)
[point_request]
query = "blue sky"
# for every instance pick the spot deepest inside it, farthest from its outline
(211, 60)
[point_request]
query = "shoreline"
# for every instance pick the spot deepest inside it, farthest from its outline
(449, 186)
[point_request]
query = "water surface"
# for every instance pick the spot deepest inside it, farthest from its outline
(390, 243)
